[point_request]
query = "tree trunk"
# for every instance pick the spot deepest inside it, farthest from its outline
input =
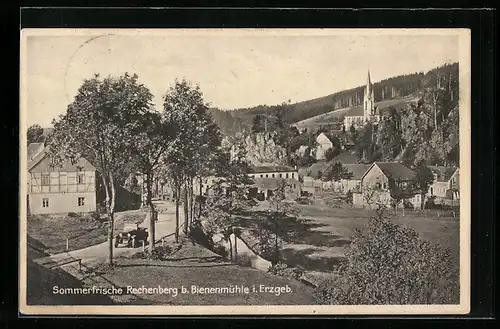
(191, 202)
(276, 249)
(177, 194)
(230, 249)
(152, 214)
(201, 194)
(235, 248)
(111, 217)
(186, 207)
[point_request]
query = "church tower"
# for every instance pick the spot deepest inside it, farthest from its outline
(369, 99)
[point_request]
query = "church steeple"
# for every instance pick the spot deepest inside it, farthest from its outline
(368, 108)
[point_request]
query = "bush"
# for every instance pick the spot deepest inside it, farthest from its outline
(245, 259)
(283, 270)
(390, 264)
(219, 249)
(95, 216)
(72, 214)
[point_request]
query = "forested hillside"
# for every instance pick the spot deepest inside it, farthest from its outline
(445, 76)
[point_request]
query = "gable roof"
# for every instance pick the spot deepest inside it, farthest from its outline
(394, 170)
(320, 166)
(443, 174)
(43, 163)
(271, 168)
(324, 136)
(34, 149)
(357, 170)
(345, 157)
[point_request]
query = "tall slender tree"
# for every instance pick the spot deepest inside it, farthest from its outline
(98, 127)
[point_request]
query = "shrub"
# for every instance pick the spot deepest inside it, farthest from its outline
(283, 270)
(159, 253)
(72, 214)
(95, 216)
(390, 264)
(219, 249)
(245, 259)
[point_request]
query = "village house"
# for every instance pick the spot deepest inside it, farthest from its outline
(353, 183)
(69, 187)
(375, 185)
(326, 141)
(266, 178)
(446, 183)
(312, 177)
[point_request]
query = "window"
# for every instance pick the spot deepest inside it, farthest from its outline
(81, 178)
(81, 201)
(273, 175)
(293, 175)
(261, 175)
(385, 186)
(45, 203)
(281, 175)
(286, 175)
(267, 175)
(432, 191)
(45, 179)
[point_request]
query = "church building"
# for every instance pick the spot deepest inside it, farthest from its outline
(366, 112)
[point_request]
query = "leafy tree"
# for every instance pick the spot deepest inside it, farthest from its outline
(98, 127)
(371, 195)
(400, 191)
(390, 264)
(257, 124)
(35, 134)
(151, 138)
(197, 136)
(329, 154)
(423, 179)
(337, 172)
(274, 228)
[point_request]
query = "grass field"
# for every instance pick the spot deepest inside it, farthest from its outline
(318, 242)
(82, 231)
(195, 265)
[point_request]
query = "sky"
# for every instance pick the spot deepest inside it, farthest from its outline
(233, 70)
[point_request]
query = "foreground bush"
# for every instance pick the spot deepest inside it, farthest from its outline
(390, 264)
(282, 269)
(159, 253)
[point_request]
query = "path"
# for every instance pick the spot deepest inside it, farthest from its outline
(99, 253)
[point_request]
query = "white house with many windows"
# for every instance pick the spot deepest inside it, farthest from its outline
(266, 179)
(67, 188)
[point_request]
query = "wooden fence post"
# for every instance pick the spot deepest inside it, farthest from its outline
(67, 244)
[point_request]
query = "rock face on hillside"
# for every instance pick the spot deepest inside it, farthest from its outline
(262, 149)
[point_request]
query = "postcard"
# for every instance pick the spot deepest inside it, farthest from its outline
(244, 171)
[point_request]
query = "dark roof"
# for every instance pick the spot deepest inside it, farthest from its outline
(264, 169)
(357, 170)
(34, 149)
(443, 173)
(345, 157)
(396, 170)
(315, 168)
